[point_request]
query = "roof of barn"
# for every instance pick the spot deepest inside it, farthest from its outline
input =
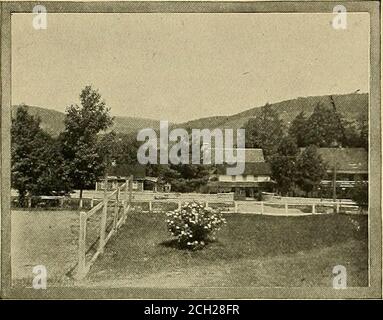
(252, 155)
(255, 168)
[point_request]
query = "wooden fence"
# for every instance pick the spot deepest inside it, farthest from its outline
(122, 198)
(263, 207)
(120, 201)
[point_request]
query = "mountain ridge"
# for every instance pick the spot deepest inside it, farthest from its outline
(52, 121)
(352, 106)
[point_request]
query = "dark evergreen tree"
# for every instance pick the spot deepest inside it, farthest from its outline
(265, 131)
(298, 129)
(325, 127)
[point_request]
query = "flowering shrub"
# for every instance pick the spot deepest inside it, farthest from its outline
(194, 224)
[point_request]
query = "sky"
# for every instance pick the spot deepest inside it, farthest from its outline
(179, 67)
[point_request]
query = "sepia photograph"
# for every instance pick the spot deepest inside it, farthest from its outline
(182, 150)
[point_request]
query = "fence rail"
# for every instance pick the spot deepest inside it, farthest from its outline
(291, 208)
(257, 207)
(120, 208)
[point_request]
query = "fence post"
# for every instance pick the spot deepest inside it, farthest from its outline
(130, 189)
(116, 209)
(235, 207)
(81, 245)
(92, 202)
(206, 204)
(286, 208)
(103, 223)
(313, 209)
(262, 208)
(337, 208)
(150, 206)
(61, 202)
(125, 201)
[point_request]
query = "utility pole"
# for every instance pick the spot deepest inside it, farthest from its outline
(334, 188)
(334, 183)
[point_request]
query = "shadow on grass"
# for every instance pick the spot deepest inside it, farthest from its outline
(175, 244)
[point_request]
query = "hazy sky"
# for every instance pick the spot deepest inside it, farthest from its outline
(179, 67)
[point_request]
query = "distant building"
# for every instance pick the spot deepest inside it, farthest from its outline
(348, 165)
(255, 179)
(119, 174)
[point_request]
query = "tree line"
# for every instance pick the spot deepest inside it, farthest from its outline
(292, 150)
(78, 156)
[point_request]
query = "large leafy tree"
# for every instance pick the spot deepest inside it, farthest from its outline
(80, 142)
(52, 179)
(37, 165)
(265, 131)
(126, 148)
(185, 177)
(283, 164)
(310, 169)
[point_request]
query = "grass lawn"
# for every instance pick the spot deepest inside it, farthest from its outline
(251, 250)
(49, 238)
(46, 238)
